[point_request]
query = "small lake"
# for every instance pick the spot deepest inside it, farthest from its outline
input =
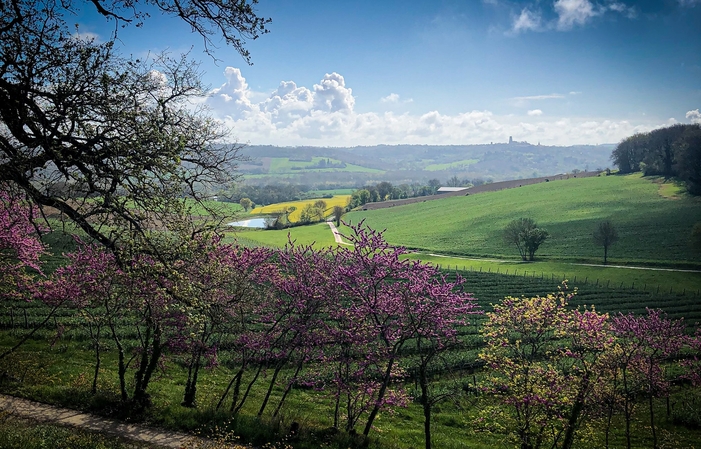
(251, 223)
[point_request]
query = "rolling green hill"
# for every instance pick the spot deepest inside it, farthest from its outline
(653, 229)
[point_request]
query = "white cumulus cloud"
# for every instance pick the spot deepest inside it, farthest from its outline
(527, 21)
(539, 97)
(694, 116)
(568, 14)
(332, 95)
(325, 115)
(573, 12)
(391, 98)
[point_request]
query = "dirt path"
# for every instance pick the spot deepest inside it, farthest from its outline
(677, 270)
(336, 235)
(139, 433)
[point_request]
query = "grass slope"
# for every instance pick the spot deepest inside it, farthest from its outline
(457, 165)
(282, 165)
(318, 234)
(653, 229)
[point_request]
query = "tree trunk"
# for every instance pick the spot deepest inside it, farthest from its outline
(191, 384)
(121, 366)
(96, 341)
(574, 415)
(606, 250)
(380, 396)
(287, 390)
(236, 408)
(426, 403)
(652, 410)
(236, 379)
(626, 401)
(270, 388)
(148, 365)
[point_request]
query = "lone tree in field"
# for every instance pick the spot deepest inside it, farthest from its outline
(605, 235)
(245, 203)
(526, 235)
(337, 214)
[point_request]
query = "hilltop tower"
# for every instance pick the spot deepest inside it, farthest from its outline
(511, 140)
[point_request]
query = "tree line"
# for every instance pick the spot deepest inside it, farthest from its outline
(386, 191)
(672, 152)
(268, 194)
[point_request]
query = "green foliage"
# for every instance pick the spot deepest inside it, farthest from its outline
(526, 235)
(674, 151)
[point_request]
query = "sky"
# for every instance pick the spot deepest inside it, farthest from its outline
(556, 72)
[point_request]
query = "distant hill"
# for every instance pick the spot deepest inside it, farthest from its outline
(418, 163)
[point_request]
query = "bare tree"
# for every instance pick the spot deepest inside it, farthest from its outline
(605, 235)
(112, 143)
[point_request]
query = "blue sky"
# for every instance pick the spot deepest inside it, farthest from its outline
(449, 72)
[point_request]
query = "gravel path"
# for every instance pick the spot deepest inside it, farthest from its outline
(139, 433)
(336, 234)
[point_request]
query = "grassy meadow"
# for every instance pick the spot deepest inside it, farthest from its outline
(282, 165)
(318, 234)
(653, 229)
(653, 219)
(457, 165)
(337, 200)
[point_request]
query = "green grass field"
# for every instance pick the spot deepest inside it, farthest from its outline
(318, 234)
(282, 165)
(457, 165)
(653, 229)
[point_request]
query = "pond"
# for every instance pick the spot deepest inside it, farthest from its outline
(250, 223)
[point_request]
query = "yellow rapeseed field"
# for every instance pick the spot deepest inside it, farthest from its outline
(337, 200)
